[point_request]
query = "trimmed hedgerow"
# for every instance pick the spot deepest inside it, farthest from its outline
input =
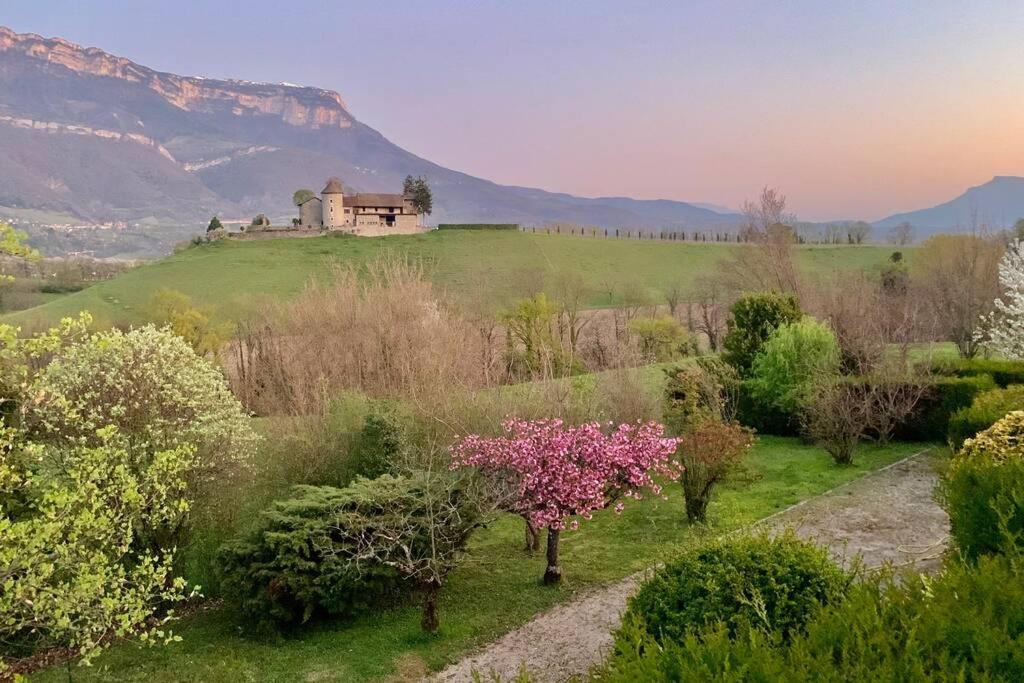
(771, 583)
(983, 490)
(930, 419)
(986, 409)
(967, 624)
(1004, 372)
(478, 226)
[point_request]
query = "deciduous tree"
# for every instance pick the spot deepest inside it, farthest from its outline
(1003, 329)
(557, 471)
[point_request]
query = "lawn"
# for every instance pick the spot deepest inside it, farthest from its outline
(234, 276)
(494, 591)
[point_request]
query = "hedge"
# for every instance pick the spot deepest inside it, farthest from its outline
(965, 624)
(478, 226)
(986, 409)
(1004, 372)
(930, 419)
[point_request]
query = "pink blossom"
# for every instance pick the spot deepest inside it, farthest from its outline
(562, 471)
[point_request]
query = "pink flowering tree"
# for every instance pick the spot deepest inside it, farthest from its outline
(557, 472)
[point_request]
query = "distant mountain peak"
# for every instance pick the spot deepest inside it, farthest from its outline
(996, 203)
(295, 105)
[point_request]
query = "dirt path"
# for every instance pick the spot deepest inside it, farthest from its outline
(888, 515)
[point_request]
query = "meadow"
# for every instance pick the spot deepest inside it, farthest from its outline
(234, 276)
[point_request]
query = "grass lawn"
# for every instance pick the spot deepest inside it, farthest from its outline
(233, 276)
(493, 592)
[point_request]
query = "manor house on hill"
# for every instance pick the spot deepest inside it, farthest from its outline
(363, 213)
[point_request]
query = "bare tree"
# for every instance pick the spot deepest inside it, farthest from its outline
(768, 262)
(708, 310)
(957, 276)
(835, 416)
(570, 292)
(673, 293)
(858, 232)
(902, 234)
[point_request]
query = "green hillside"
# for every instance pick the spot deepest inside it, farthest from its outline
(233, 276)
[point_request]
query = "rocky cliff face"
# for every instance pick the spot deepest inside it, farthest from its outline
(296, 106)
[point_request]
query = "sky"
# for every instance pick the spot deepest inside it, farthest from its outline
(854, 109)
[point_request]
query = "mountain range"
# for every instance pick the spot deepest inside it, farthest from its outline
(105, 155)
(90, 138)
(999, 203)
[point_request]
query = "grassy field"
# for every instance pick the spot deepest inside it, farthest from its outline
(233, 276)
(495, 590)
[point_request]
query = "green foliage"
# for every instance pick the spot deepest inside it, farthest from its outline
(12, 243)
(967, 624)
(764, 417)
(279, 574)
(332, 551)
(985, 410)
(301, 196)
(72, 571)
(661, 339)
(196, 325)
(793, 357)
(1004, 372)
(983, 490)
(532, 350)
(774, 584)
(215, 224)
(382, 442)
(692, 395)
(753, 319)
(930, 418)
(477, 226)
(419, 190)
(151, 386)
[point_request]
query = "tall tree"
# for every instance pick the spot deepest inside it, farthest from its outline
(215, 224)
(302, 195)
(422, 197)
(957, 278)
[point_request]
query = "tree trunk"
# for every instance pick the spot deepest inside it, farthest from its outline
(429, 621)
(696, 508)
(552, 574)
(532, 537)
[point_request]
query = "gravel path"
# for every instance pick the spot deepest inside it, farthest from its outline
(888, 515)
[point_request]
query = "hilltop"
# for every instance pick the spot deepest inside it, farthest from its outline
(235, 276)
(997, 203)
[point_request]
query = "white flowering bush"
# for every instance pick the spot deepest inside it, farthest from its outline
(1003, 329)
(151, 386)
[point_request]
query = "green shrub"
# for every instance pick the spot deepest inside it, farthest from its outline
(930, 419)
(771, 583)
(661, 339)
(790, 360)
(986, 409)
(381, 442)
(278, 575)
(763, 417)
(752, 320)
(1004, 372)
(691, 396)
(983, 490)
(478, 226)
(967, 624)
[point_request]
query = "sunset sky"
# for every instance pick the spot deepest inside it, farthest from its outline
(854, 109)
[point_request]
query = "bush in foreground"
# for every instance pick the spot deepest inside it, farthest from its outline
(967, 624)
(983, 490)
(986, 409)
(774, 584)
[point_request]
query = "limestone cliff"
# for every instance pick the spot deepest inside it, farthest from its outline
(295, 105)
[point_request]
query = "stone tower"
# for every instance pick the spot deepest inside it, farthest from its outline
(334, 205)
